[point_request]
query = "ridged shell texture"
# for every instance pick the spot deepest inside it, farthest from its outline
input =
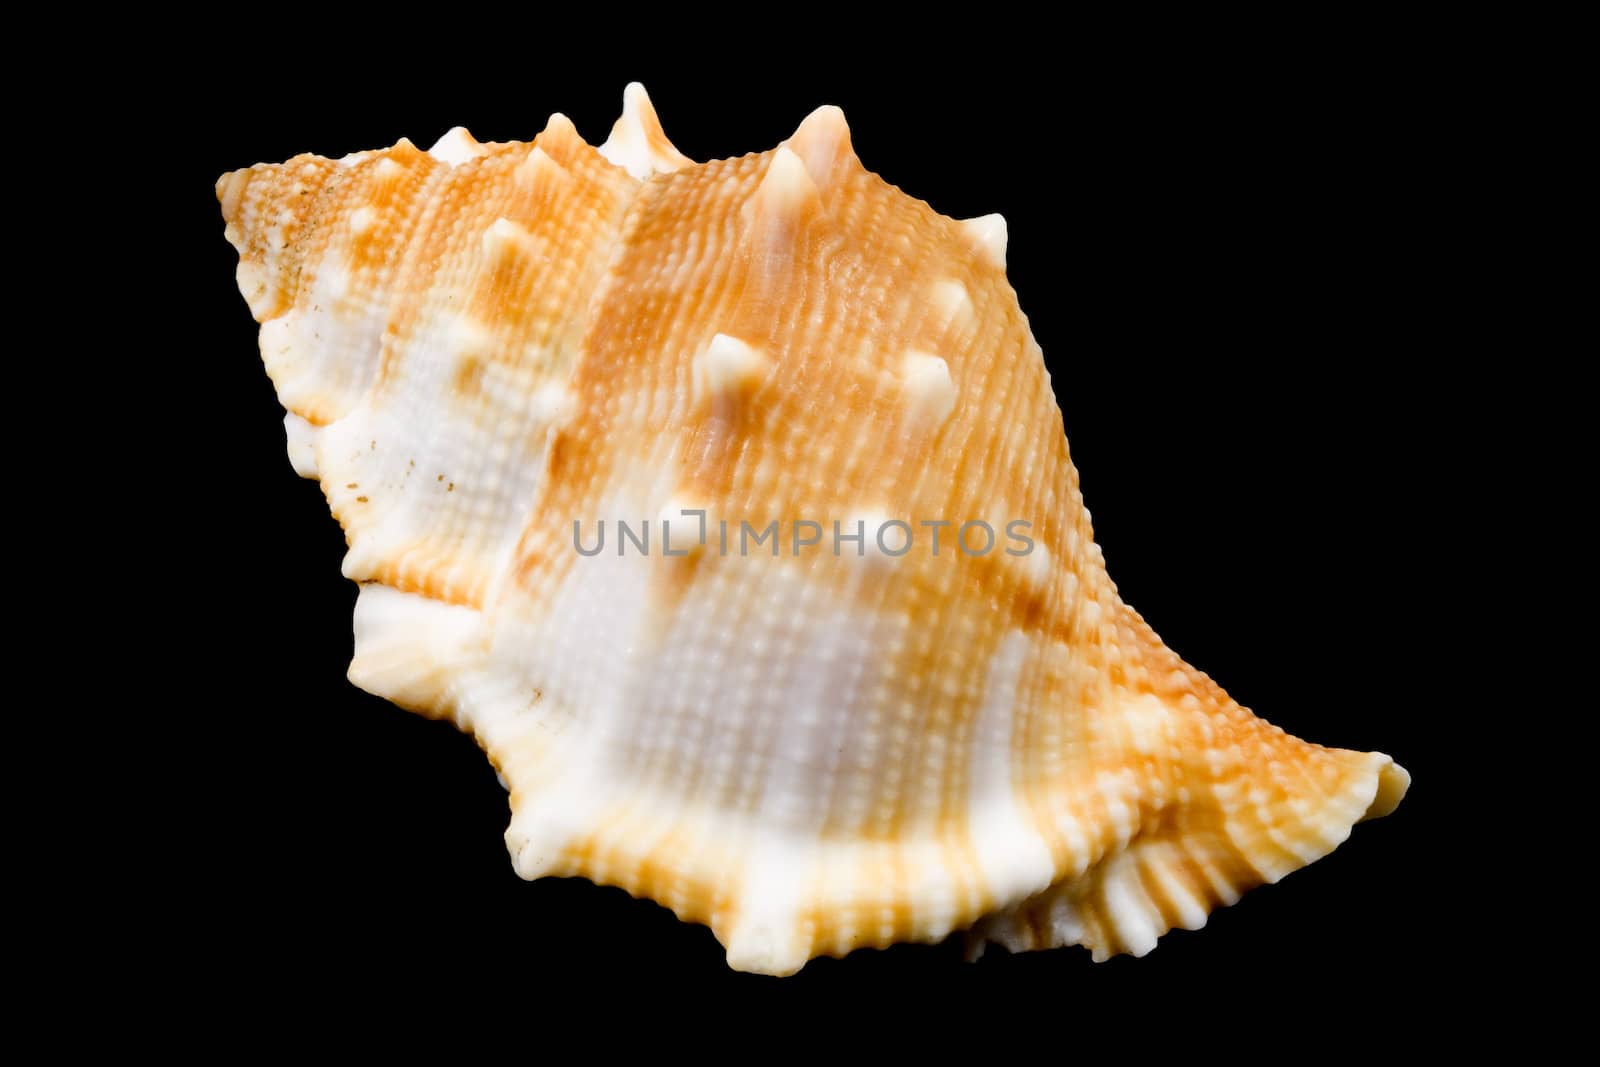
(811, 748)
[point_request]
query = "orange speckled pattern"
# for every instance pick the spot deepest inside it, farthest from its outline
(483, 346)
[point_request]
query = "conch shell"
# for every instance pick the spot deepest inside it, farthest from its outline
(818, 743)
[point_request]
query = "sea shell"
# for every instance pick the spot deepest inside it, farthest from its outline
(487, 350)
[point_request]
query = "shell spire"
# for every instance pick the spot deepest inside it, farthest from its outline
(733, 515)
(637, 143)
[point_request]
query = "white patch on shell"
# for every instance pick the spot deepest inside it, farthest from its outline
(471, 339)
(685, 526)
(589, 652)
(302, 437)
(987, 234)
(726, 368)
(332, 285)
(631, 145)
(1038, 568)
(953, 301)
(553, 403)
(815, 686)
(786, 186)
(1012, 856)
(277, 342)
(930, 392)
(539, 167)
(869, 522)
(505, 239)
(389, 171)
(414, 650)
(1129, 908)
(1143, 721)
(456, 146)
(362, 221)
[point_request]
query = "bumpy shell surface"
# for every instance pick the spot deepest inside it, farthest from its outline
(480, 345)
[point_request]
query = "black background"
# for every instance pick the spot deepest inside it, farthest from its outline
(1225, 255)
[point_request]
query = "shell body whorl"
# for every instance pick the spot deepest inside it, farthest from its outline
(766, 387)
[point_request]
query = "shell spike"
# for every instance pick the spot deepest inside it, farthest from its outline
(538, 165)
(457, 146)
(560, 139)
(987, 234)
(822, 141)
(786, 188)
(637, 143)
